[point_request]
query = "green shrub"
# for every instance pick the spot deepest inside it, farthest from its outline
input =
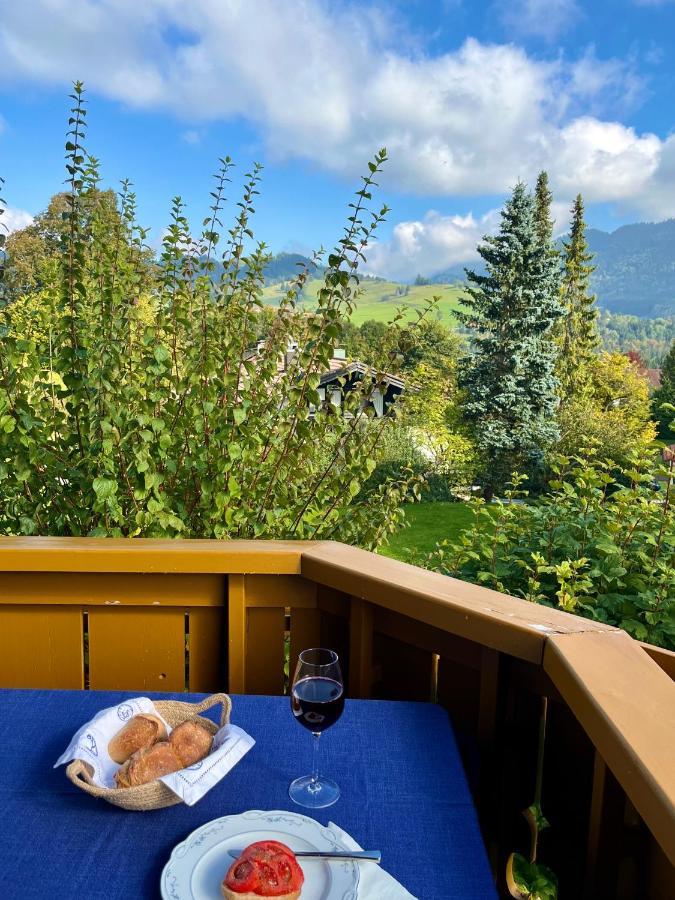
(601, 544)
(129, 403)
(438, 471)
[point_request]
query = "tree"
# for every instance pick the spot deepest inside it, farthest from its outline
(543, 222)
(578, 330)
(650, 337)
(509, 378)
(137, 409)
(666, 394)
(33, 252)
(611, 419)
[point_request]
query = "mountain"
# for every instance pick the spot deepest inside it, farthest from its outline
(635, 268)
(285, 266)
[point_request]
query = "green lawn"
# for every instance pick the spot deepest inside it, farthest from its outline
(428, 523)
(380, 302)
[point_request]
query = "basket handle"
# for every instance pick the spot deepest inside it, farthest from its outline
(215, 700)
(78, 772)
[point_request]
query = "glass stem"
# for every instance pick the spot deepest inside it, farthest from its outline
(314, 784)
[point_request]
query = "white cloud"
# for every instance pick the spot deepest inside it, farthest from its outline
(429, 246)
(657, 199)
(561, 213)
(437, 242)
(599, 82)
(13, 219)
(540, 18)
(192, 136)
(328, 83)
(605, 160)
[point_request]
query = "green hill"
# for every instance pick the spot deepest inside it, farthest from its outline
(380, 299)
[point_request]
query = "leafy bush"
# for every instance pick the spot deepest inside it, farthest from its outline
(130, 404)
(601, 544)
(437, 471)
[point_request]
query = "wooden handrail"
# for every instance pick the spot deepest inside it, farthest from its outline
(626, 704)
(64, 554)
(665, 658)
(508, 624)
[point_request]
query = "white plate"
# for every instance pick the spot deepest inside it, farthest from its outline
(198, 865)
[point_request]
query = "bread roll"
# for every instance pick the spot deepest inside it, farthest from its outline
(191, 742)
(140, 732)
(148, 765)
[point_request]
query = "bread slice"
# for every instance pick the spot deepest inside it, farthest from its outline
(261, 855)
(233, 895)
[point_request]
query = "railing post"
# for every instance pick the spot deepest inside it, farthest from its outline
(605, 833)
(360, 648)
(490, 711)
(236, 604)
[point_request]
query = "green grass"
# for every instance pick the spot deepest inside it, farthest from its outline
(380, 302)
(428, 523)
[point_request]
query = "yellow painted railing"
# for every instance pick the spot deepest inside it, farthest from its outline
(203, 615)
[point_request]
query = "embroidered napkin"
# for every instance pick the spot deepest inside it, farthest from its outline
(90, 744)
(374, 882)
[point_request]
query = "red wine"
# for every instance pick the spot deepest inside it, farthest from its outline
(317, 703)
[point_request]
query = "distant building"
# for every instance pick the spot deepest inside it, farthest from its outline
(342, 377)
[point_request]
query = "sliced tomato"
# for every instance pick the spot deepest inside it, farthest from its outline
(285, 871)
(242, 876)
(267, 849)
(266, 869)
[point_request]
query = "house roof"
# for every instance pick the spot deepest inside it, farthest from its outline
(344, 370)
(337, 368)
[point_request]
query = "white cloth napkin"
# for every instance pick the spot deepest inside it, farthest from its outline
(374, 882)
(90, 744)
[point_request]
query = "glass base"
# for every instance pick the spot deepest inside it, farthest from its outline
(314, 794)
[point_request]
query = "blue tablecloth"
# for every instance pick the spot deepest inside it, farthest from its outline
(403, 792)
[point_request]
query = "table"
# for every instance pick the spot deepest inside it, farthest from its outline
(403, 792)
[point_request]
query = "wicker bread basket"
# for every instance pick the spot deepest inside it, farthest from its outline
(154, 795)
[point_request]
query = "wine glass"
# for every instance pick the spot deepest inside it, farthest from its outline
(317, 701)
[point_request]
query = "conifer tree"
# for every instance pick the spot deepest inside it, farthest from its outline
(542, 211)
(509, 379)
(666, 394)
(578, 330)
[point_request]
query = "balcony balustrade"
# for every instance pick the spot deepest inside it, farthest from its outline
(149, 615)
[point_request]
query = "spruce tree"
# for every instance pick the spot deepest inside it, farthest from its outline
(509, 378)
(542, 212)
(578, 330)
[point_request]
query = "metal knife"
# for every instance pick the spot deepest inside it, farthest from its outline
(372, 855)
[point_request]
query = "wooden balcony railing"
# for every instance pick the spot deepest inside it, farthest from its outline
(150, 615)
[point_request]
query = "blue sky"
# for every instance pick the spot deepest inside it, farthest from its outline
(467, 96)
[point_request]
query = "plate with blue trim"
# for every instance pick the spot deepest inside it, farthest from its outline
(197, 866)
